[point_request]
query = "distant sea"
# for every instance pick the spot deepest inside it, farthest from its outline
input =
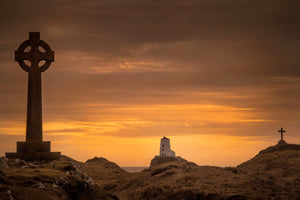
(134, 169)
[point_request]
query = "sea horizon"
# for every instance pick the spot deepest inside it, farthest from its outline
(134, 169)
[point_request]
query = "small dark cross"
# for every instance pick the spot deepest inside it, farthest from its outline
(281, 131)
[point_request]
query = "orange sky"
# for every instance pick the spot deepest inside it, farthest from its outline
(218, 78)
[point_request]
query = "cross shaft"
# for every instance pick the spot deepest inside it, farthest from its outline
(34, 129)
(281, 131)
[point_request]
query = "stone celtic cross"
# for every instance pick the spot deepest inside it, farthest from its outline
(34, 148)
(34, 101)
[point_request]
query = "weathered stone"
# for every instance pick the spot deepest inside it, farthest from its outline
(2, 177)
(41, 185)
(34, 148)
(54, 186)
(3, 163)
(281, 142)
(9, 192)
(157, 160)
(20, 162)
(30, 165)
(69, 167)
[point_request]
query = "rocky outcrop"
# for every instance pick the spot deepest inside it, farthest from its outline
(3, 163)
(281, 158)
(101, 168)
(281, 146)
(158, 160)
(2, 177)
(272, 174)
(61, 179)
(102, 162)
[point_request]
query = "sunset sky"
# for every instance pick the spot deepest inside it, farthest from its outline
(219, 78)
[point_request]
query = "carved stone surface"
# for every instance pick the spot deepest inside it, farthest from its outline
(34, 148)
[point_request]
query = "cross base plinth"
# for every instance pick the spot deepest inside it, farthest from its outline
(281, 142)
(35, 156)
(31, 151)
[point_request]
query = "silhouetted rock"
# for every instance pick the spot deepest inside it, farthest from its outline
(3, 163)
(20, 162)
(103, 162)
(101, 169)
(272, 174)
(2, 177)
(283, 159)
(281, 146)
(49, 180)
(157, 160)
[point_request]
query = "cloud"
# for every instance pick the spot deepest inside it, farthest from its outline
(115, 54)
(204, 73)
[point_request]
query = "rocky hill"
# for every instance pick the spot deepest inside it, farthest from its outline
(64, 179)
(282, 159)
(158, 160)
(274, 173)
(103, 171)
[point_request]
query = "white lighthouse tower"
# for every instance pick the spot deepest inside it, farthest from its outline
(165, 147)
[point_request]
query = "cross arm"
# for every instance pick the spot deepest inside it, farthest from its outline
(48, 56)
(19, 56)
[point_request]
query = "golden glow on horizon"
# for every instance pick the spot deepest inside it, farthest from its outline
(219, 150)
(130, 134)
(131, 117)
